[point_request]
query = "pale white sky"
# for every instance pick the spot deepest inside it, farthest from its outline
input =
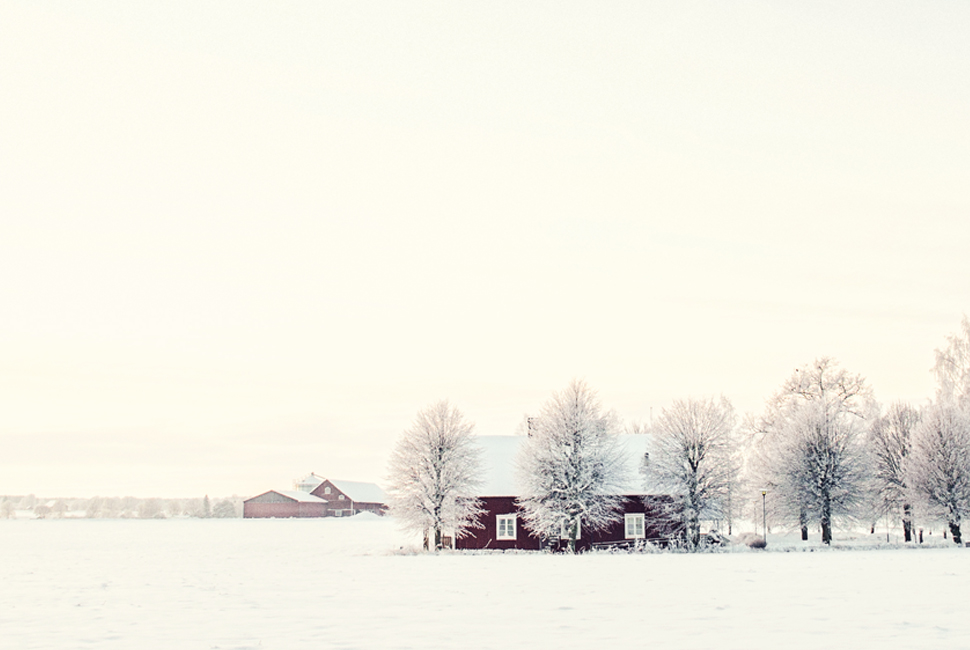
(241, 241)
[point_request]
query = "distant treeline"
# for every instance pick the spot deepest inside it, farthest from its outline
(33, 507)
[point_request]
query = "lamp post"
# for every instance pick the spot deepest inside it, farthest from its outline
(764, 513)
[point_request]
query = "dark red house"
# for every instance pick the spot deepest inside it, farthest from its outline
(643, 517)
(318, 497)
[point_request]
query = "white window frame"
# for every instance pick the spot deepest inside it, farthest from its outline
(639, 520)
(564, 529)
(502, 532)
(326, 490)
(340, 497)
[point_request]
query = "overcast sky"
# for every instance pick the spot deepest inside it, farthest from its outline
(243, 241)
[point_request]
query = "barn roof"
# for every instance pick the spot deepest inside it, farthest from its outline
(297, 495)
(363, 492)
(499, 455)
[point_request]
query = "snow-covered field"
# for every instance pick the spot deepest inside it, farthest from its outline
(331, 583)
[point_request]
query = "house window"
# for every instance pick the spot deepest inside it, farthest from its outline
(566, 525)
(341, 498)
(634, 526)
(505, 526)
(326, 490)
(338, 513)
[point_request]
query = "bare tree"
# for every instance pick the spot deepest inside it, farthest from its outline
(939, 464)
(890, 440)
(696, 460)
(572, 469)
(952, 368)
(435, 470)
(808, 444)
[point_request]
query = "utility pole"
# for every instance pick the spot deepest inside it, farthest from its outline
(764, 513)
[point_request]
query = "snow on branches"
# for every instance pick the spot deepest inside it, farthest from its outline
(434, 472)
(696, 460)
(939, 464)
(890, 443)
(572, 468)
(810, 447)
(952, 368)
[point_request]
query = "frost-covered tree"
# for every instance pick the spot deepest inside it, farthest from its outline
(572, 468)
(696, 460)
(823, 464)
(939, 464)
(952, 369)
(224, 509)
(435, 471)
(174, 508)
(94, 507)
(149, 509)
(808, 445)
(890, 441)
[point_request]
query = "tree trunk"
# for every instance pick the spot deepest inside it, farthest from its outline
(573, 530)
(437, 538)
(803, 524)
(693, 532)
(826, 531)
(907, 522)
(955, 531)
(826, 522)
(426, 539)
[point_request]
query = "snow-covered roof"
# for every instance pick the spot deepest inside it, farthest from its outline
(363, 492)
(297, 495)
(499, 454)
(308, 483)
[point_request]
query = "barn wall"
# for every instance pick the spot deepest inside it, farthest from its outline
(255, 510)
(334, 502)
(376, 508)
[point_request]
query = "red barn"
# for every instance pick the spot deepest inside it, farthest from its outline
(318, 497)
(643, 517)
(347, 498)
(284, 503)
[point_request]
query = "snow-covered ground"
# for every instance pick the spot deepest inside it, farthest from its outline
(332, 583)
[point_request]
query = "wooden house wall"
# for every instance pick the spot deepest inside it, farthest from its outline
(656, 526)
(485, 537)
